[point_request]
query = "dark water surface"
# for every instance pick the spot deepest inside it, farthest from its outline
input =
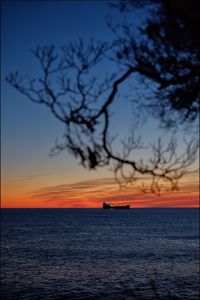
(99, 254)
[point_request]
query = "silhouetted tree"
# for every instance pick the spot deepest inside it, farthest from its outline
(164, 52)
(167, 52)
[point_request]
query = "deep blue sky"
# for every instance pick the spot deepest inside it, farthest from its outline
(29, 130)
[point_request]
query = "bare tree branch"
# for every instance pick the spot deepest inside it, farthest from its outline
(71, 88)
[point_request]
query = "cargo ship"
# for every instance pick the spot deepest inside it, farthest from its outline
(108, 205)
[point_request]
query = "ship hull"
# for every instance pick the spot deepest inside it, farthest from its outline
(121, 207)
(109, 206)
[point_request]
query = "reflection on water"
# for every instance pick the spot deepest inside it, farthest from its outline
(99, 254)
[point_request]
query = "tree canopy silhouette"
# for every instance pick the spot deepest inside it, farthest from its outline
(167, 52)
(163, 54)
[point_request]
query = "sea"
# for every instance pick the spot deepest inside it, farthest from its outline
(100, 254)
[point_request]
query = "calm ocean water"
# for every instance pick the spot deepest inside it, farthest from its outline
(99, 254)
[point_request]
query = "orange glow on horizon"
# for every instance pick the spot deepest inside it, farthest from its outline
(172, 200)
(92, 194)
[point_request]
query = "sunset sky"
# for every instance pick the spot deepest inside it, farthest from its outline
(30, 177)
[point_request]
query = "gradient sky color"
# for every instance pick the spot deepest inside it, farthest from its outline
(30, 178)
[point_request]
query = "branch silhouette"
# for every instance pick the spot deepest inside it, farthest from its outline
(70, 87)
(166, 49)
